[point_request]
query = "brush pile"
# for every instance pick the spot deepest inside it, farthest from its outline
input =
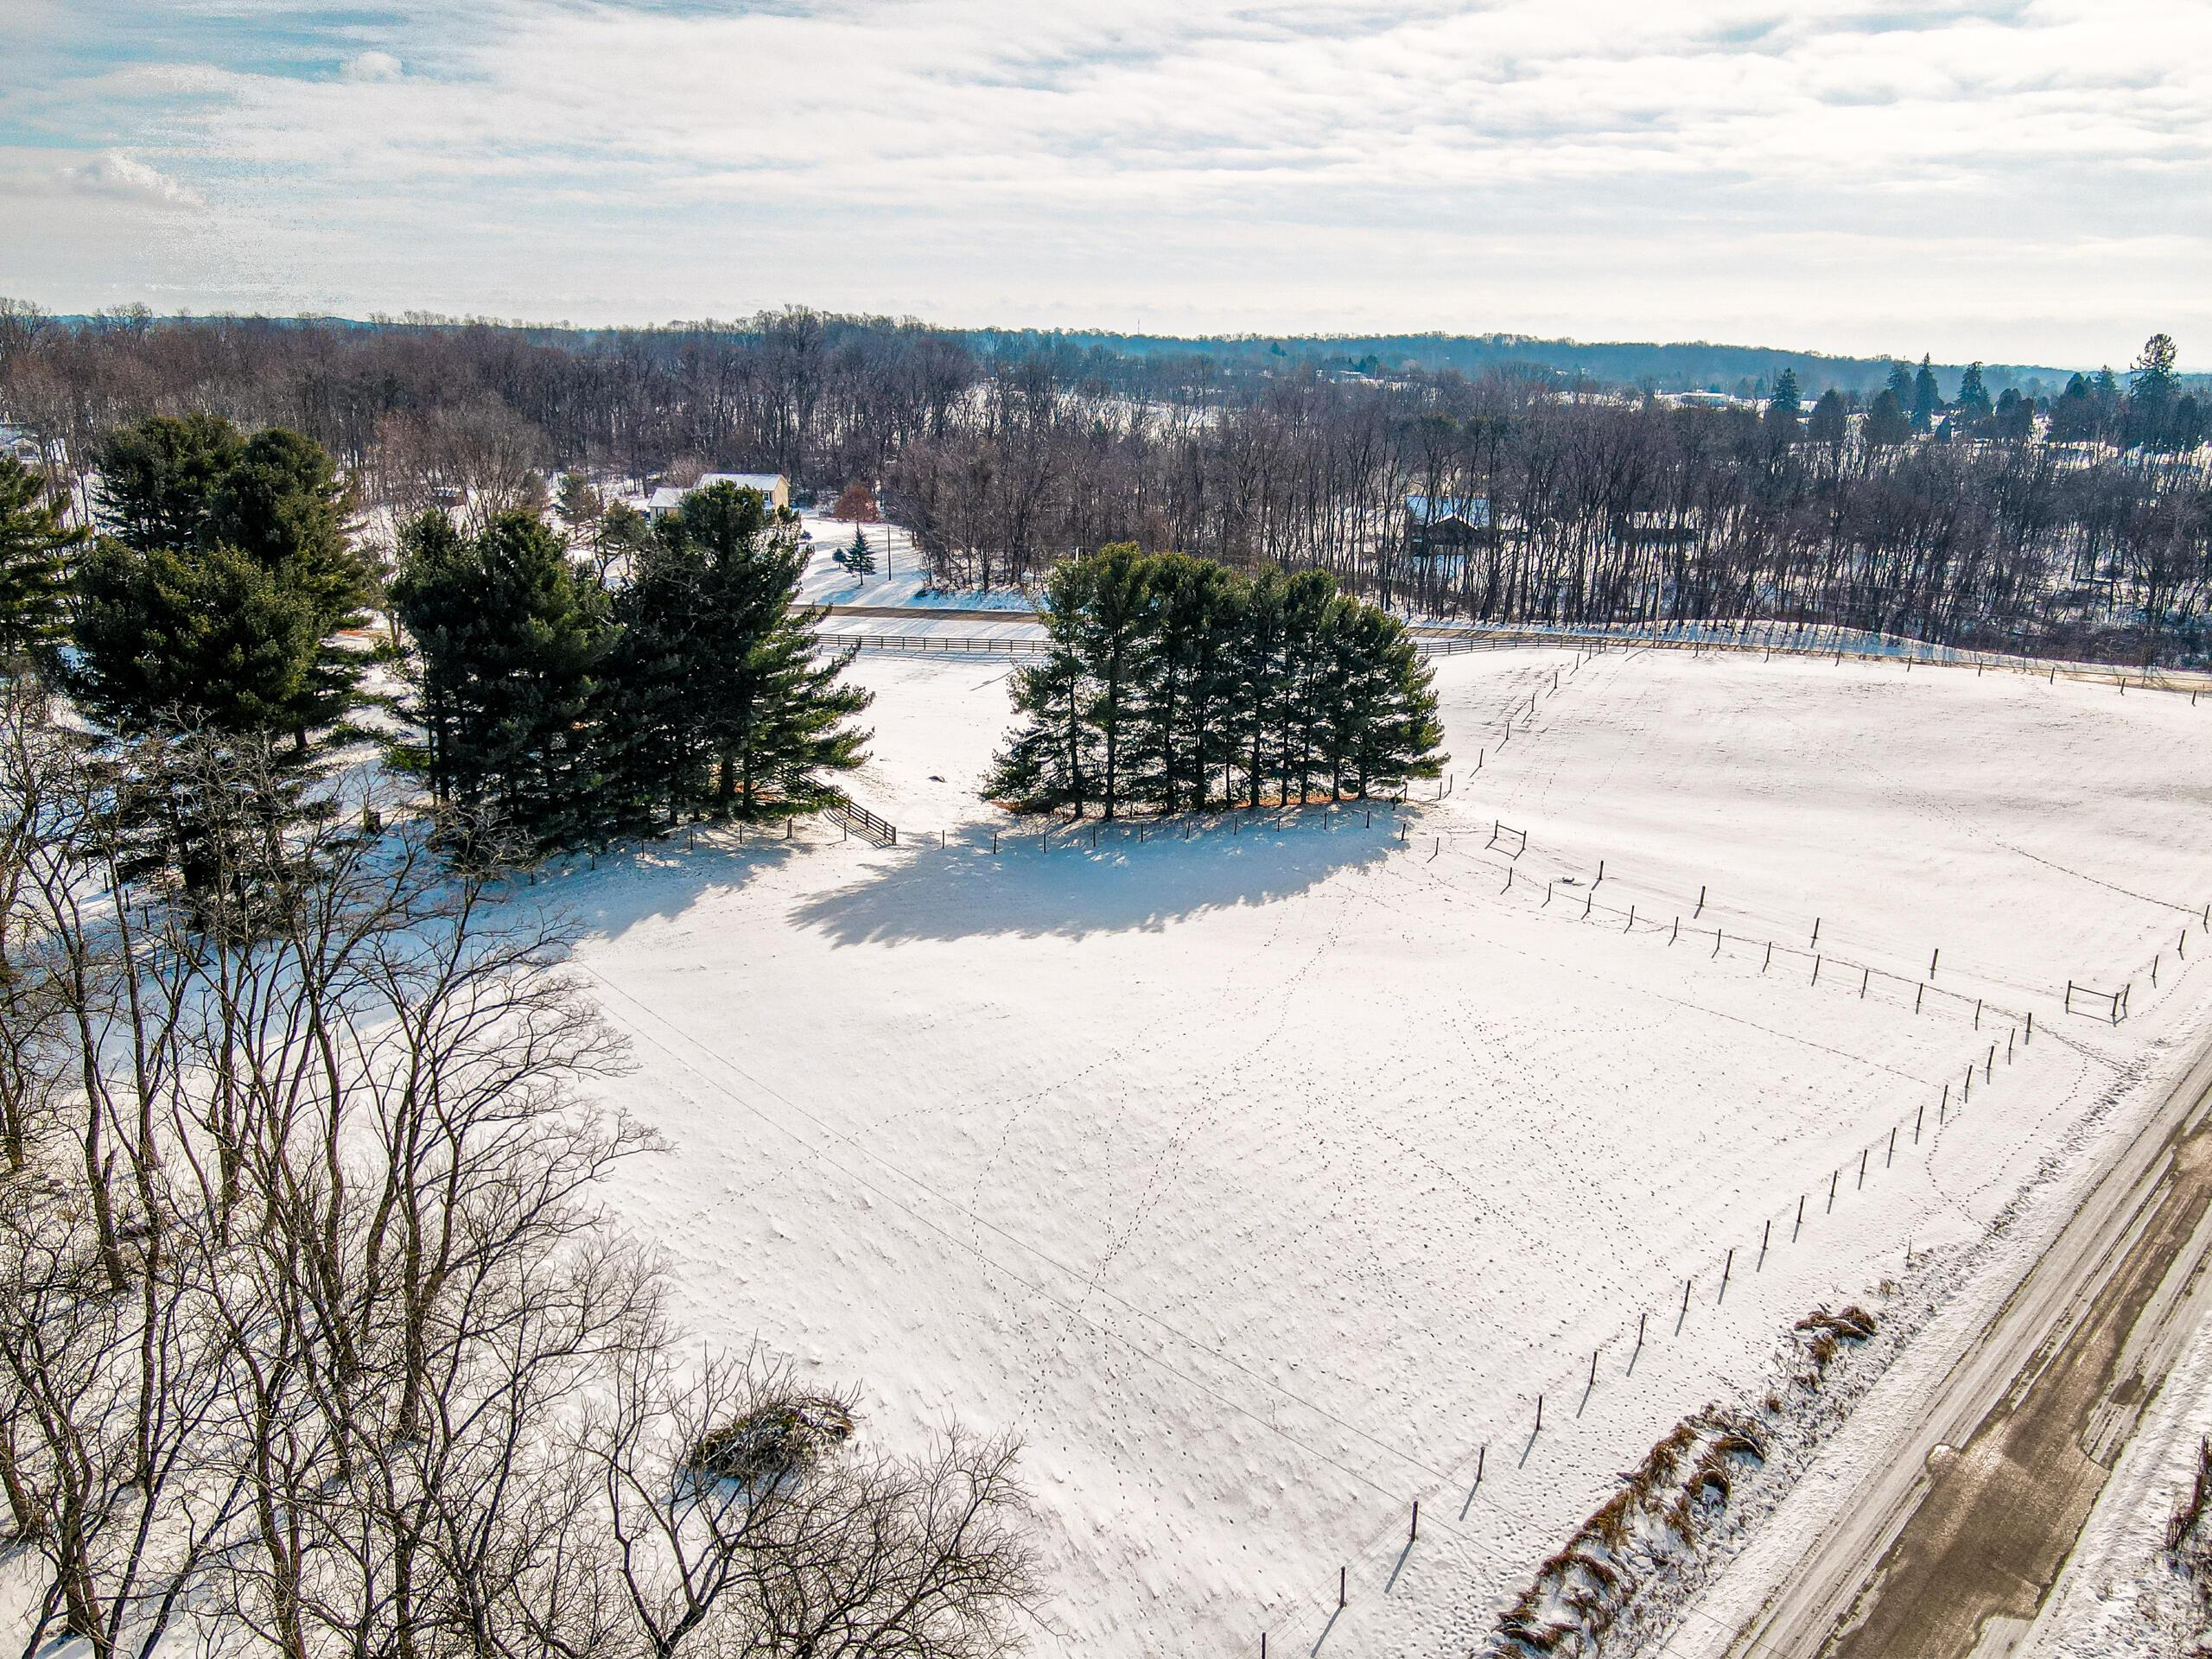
(1665, 1508)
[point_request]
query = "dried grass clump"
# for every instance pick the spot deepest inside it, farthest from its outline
(774, 1440)
(2183, 1521)
(1855, 1324)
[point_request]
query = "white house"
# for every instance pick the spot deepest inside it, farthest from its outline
(774, 485)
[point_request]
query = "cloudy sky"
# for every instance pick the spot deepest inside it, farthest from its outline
(2012, 180)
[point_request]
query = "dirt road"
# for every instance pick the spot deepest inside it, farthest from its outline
(1950, 1548)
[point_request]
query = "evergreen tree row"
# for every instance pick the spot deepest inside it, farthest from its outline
(571, 715)
(1174, 684)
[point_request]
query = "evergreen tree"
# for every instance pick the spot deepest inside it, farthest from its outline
(1787, 400)
(1261, 679)
(1886, 421)
(1115, 638)
(198, 516)
(1182, 744)
(1388, 730)
(2105, 389)
(1047, 761)
(719, 693)
(2073, 413)
(509, 641)
(1926, 398)
(1165, 669)
(2151, 381)
(1973, 401)
(36, 545)
(858, 558)
(158, 479)
(1307, 600)
(2151, 385)
(624, 532)
(1900, 384)
(1827, 424)
(204, 638)
(2185, 427)
(280, 502)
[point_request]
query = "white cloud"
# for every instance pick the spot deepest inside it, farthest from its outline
(370, 66)
(118, 177)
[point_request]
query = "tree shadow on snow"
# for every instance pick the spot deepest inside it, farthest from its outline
(658, 881)
(1027, 889)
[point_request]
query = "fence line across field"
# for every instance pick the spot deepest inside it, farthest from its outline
(1446, 639)
(1794, 1213)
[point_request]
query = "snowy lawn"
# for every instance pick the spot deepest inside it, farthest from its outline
(1262, 1180)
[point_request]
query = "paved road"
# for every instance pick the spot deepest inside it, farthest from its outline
(1950, 1548)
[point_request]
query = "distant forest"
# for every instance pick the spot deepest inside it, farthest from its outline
(1492, 478)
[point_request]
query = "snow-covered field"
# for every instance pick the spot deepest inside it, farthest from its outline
(1262, 1178)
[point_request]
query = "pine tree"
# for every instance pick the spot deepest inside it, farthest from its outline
(2151, 385)
(1281, 678)
(1394, 733)
(204, 638)
(197, 516)
(1114, 638)
(1047, 762)
(1306, 601)
(1256, 660)
(1886, 421)
(158, 479)
(1926, 398)
(1973, 401)
(37, 547)
(1182, 717)
(725, 676)
(281, 504)
(2073, 413)
(1827, 423)
(509, 640)
(859, 558)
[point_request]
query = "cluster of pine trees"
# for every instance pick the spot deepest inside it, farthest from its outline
(1172, 684)
(224, 594)
(570, 713)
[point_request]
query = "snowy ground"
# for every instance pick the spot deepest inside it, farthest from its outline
(1262, 1180)
(900, 577)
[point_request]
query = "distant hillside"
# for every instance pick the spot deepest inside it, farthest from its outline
(1693, 365)
(1674, 367)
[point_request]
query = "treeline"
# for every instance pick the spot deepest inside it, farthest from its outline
(2074, 523)
(1607, 509)
(1172, 684)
